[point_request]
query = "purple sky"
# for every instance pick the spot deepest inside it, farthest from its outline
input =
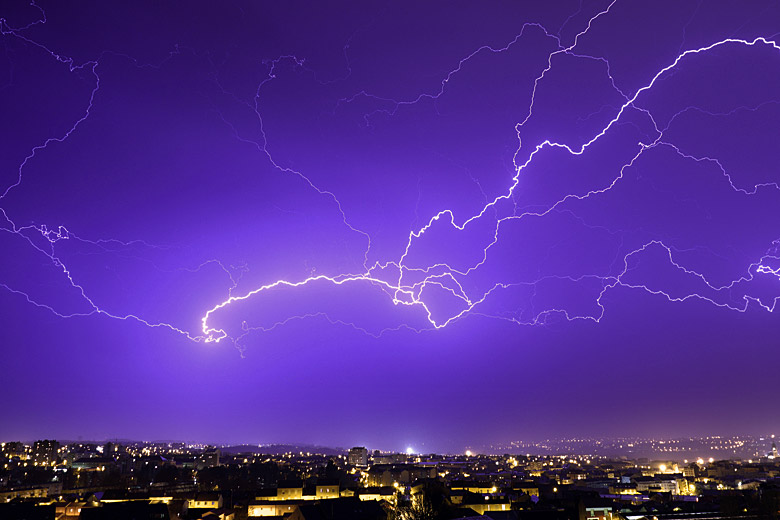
(441, 225)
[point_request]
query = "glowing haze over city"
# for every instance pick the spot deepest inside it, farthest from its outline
(414, 226)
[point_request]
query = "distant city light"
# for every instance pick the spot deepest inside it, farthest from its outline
(469, 453)
(409, 450)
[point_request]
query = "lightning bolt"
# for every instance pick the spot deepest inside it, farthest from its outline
(412, 282)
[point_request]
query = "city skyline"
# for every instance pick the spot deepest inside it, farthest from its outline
(70, 481)
(392, 225)
(685, 450)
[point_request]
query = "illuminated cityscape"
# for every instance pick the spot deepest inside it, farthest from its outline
(389, 259)
(179, 480)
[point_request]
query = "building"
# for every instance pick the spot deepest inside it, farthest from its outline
(658, 484)
(45, 452)
(484, 507)
(387, 493)
(13, 450)
(288, 490)
(358, 456)
(482, 488)
(381, 475)
(93, 463)
(126, 511)
(205, 501)
(326, 489)
(528, 488)
(209, 458)
(70, 509)
(597, 509)
(272, 507)
(6, 495)
(219, 514)
(293, 490)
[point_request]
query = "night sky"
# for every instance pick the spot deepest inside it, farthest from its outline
(392, 224)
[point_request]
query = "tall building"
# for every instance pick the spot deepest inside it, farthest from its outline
(209, 458)
(358, 456)
(45, 452)
(13, 449)
(110, 449)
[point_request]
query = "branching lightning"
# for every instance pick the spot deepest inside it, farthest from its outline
(412, 283)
